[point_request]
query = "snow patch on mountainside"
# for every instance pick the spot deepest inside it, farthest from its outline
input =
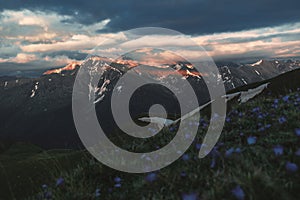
(257, 72)
(34, 90)
(257, 63)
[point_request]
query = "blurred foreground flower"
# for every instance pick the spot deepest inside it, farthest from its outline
(285, 98)
(282, 120)
(238, 150)
(297, 131)
(291, 167)
(117, 182)
(97, 193)
(44, 186)
(278, 150)
(232, 150)
(185, 157)
(251, 140)
(256, 109)
(183, 174)
(60, 181)
(151, 177)
(238, 192)
(117, 179)
(229, 152)
(190, 196)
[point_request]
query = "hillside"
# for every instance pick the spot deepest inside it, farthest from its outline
(257, 156)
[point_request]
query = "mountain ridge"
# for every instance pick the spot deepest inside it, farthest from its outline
(45, 118)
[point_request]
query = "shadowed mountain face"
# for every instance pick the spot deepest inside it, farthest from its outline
(236, 76)
(39, 110)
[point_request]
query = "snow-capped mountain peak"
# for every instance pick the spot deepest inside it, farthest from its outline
(70, 66)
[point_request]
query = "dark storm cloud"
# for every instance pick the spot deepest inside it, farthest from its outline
(189, 16)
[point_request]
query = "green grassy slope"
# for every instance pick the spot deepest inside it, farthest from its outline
(257, 153)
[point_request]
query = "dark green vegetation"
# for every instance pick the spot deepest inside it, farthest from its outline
(258, 151)
(260, 173)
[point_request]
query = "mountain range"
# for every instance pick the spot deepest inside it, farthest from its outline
(39, 110)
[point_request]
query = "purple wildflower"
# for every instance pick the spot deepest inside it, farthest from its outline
(285, 98)
(213, 163)
(235, 111)
(268, 126)
(214, 152)
(251, 140)
(278, 150)
(260, 116)
(238, 193)
(238, 150)
(44, 186)
(291, 167)
(97, 193)
(60, 181)
(228, 119)
(297, 131)
(183, 174)
(117, 179)
(256, 109)
(172, 129)
(151, 177)
(185, 157)
(118, 185)
(229, 152)
(190, 196)
(282, 120)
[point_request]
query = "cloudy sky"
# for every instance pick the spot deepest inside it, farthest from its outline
(41, 34)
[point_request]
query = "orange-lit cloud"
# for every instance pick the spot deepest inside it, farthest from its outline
(32, 35)
(21, 58)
